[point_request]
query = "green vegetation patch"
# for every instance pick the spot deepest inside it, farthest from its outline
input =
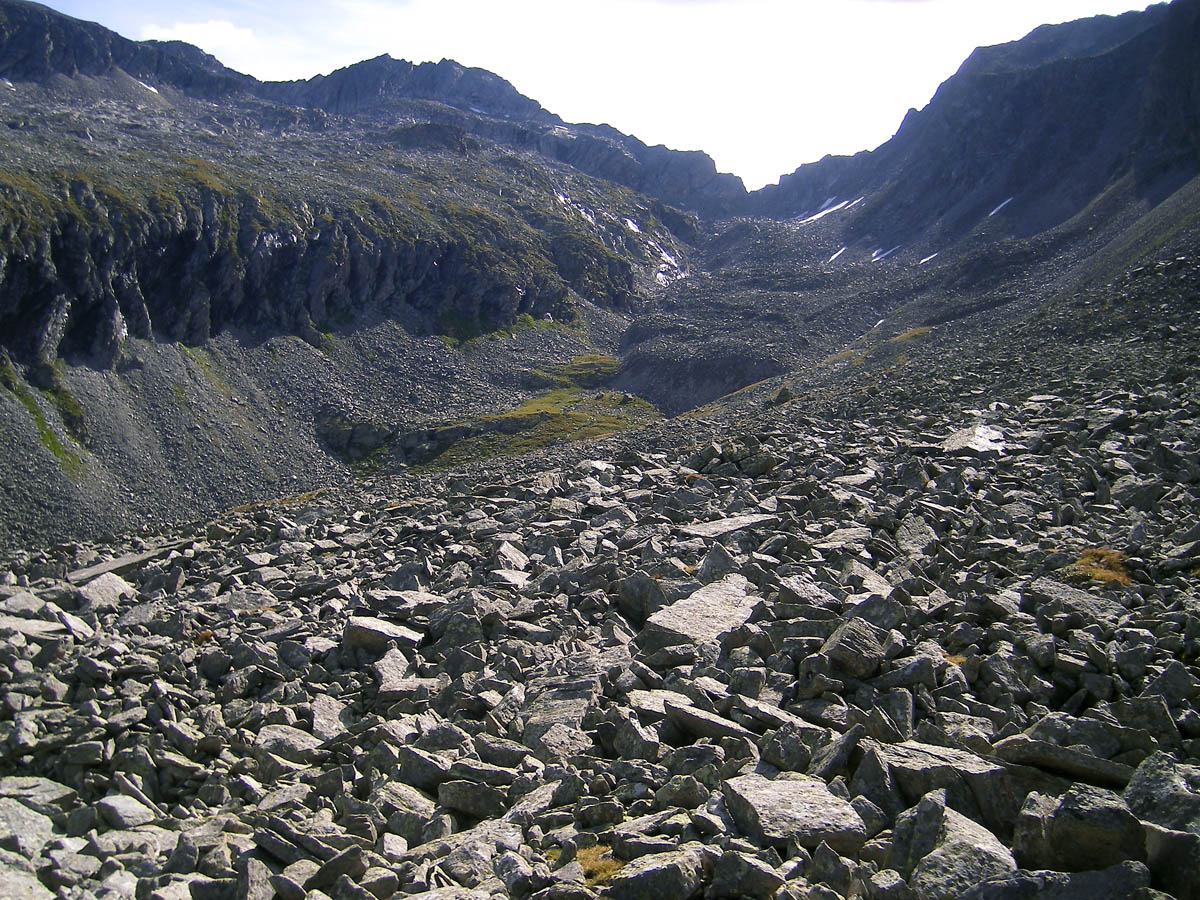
(72, 464)
(592, 370)
(464, 334)
(555, 417)
(70, 410)
(209, 365)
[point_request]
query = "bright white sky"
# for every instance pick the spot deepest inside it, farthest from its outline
(760, 85)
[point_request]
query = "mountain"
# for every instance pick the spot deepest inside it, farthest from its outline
(1034, 132)
(221, 288)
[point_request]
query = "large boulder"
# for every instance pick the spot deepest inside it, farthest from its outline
(1086, 828)
(793, 807)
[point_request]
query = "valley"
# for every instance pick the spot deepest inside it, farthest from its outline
(406, 493)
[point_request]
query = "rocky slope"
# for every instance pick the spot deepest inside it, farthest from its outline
(904, 634)
(222, 289)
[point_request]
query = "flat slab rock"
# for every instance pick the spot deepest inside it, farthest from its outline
(374, 635)
(701, 617)
(978, 440)
(722, 527)
(1063, 761)
(794, 807)
(1055, 598)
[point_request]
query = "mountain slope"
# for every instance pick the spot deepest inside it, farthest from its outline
(220, 288)
(1024, 136)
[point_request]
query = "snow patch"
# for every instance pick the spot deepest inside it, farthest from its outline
(8, 84)
(880, 322)
(927, 259)
(1001, 206)
(633, 226)
(148, 87)
(831, 206)
(825, 211)
(579, 208)
(476, 109)
(883, 254)
(666, 257)
(662, 278)
(836, 255)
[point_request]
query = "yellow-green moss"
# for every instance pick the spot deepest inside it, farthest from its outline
(555, 417)
(71, 463)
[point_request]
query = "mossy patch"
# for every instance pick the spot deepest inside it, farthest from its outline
(70, 410)
(555, 417)
(1101, 564)
(209, 365)
(72, 464)
(586, 370)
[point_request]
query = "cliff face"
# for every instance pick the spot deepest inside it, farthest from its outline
(188, 270)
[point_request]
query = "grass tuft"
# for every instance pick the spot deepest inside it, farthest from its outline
(1101, 564)
(599, 865)
(910, 334)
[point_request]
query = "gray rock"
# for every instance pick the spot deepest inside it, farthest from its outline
(121, 811)
(856, 647)
(956, 866)
(22, 830)
(978, 440)
(701, 723)
(105, 592)
(1086, 828)
(21, 885)
(39, 794)
(1118, 882)
(723, 527)
(331, 718)
(479, 800)
(793, 807)
(1166, 792)
(287, 742)
(1174, 860)
(703, 617)
(1066, 761)
(677, 875)
(741, 875)
(374, 635)
(1137, 493)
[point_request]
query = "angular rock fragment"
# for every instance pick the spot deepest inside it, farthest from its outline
(793, 807)
(703, 617)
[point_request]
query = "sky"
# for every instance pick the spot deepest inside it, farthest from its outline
(762, 86)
